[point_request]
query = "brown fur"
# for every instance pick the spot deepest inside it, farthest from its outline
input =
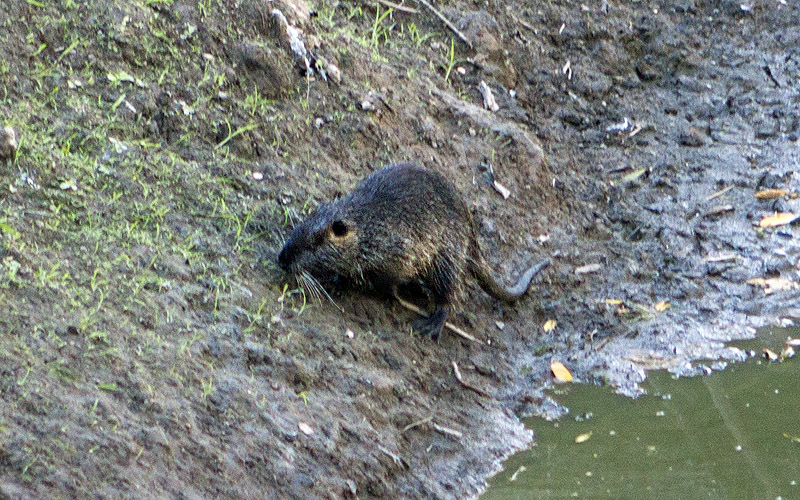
(401, 225)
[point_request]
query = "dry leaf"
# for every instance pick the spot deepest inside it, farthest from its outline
(772, 285)
(504, 191)
(779, 219)
(793, 342)
(633, 175)
(517, 472)
(662, 306)
(771, 194)
(769, 354)
(305, 428)
(794, 439)
(560, 371)
(787, 352)
(549, 325)
(582, 438)
(613, 302)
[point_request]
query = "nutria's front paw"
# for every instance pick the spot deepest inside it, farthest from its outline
(432, 325)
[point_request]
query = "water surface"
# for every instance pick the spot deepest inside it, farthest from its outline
(734, 434)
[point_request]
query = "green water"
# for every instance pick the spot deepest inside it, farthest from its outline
(734, 434)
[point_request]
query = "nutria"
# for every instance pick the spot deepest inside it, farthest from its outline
(402, 225)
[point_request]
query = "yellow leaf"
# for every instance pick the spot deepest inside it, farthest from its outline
(582, 438)
(560, 371)
(772, 285)
(778, 219)
(613, 302)
(771, 194)
(769, 354)
(794, 439)
(633, 175)
(662, 306)
(622, 310)
(549, 325)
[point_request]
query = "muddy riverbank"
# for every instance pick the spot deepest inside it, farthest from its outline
(149, 343)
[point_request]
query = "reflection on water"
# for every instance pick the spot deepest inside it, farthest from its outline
(732, 435)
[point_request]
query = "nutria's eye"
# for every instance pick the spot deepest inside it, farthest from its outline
(339, 228)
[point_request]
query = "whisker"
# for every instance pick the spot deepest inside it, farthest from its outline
(325, 292)
(303, 282)
(310, 286)
(314, 288)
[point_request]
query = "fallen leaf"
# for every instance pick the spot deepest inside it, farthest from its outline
(613, 302)
(633, 175)
(772, 285)
(769, 354)
(779, 219)
(560, 371)
(662, 306)
(516, 473)
(794, 439)
(771, 194)
(305, 428)
(582, 438)
(504, 191)
(549, 325)
(793, 342)
(787, 352)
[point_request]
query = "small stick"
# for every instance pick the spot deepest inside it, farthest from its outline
(445, 21)
(417, 423)
(396, 6)
(457, 373)
(453, 328)
(721, 258)
(395, 458)
(719, 193)
(447, 431)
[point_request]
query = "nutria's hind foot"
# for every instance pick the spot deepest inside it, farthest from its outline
(432, 325)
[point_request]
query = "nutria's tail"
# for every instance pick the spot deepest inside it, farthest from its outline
(485, 279)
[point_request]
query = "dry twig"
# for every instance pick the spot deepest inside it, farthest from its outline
(445, 21)
(417, 423)
(398, 7)
(447, 431)
(471, 387)
(453, 328)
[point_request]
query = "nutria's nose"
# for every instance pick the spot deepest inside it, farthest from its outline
(284, 258)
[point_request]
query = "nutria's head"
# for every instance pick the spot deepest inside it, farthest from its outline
(322, 246)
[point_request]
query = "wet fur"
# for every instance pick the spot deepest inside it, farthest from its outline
(401, 225)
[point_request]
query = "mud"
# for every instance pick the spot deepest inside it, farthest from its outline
(150, 344)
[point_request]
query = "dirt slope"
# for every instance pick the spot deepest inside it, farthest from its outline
(149, 346)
